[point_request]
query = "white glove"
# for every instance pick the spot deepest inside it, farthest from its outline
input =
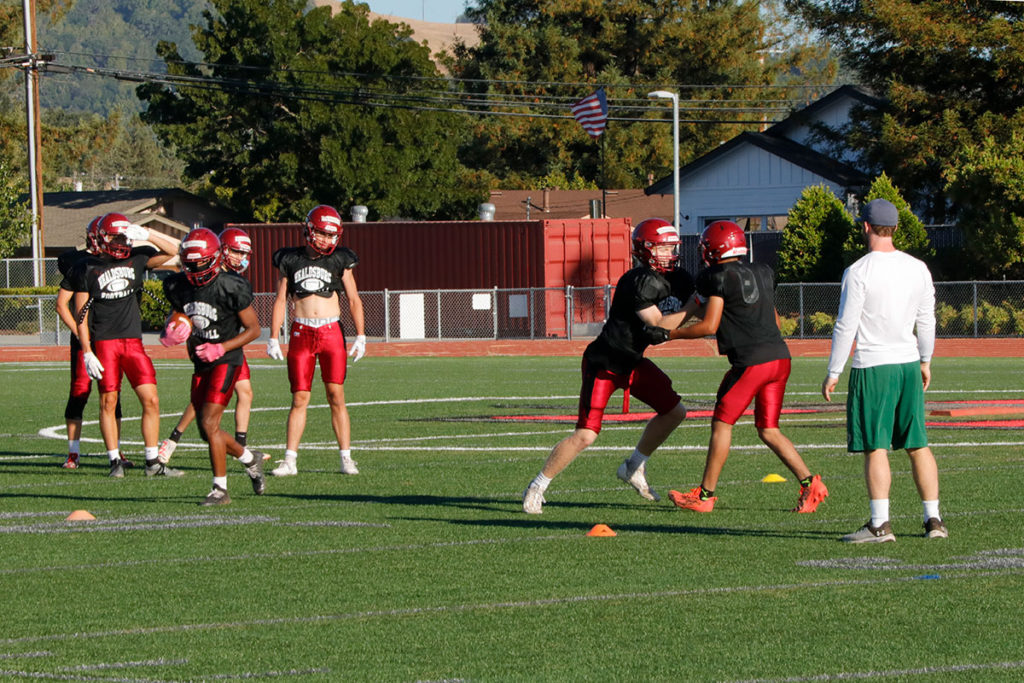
(93, 366)
(274, 349)
(136, 233)
(358, 348)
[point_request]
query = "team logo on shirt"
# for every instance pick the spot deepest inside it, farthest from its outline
(312, 278)
(116, 283)
(203, 317)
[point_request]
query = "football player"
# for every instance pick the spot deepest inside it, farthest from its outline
(81, 383)
(736, 302)
(314, 276)
(235, 251)
(615, 360)
(107, 289)
(219, 306)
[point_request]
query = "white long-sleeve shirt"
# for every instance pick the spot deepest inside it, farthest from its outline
(884, 295)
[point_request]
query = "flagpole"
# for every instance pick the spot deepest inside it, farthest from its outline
(604, 176)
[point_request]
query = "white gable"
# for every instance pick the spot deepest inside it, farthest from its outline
(833, 115)
(745, 181)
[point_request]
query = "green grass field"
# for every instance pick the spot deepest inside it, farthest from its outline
(424, 568)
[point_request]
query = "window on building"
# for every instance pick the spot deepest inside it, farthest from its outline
(752, 223)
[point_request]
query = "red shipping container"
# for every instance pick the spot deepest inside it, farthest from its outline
(472, 255)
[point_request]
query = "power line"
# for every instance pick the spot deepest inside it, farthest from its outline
(439, 101)
(450, 79)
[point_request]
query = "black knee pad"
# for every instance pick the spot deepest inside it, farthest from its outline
(75, 407)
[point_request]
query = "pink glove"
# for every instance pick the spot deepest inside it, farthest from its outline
(209, 352)
(175, 334)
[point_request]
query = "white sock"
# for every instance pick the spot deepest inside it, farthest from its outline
(931, 509)
(636, 460)
(879, 511)
(221, 482)
(151, 453)
(541, 482)
(74, 445)
(346, 453)
(114, 454)
(247, 457)
(291, 455)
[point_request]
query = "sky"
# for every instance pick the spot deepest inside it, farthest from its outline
(441, 11)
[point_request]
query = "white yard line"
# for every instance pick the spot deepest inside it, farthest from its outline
(400, 612)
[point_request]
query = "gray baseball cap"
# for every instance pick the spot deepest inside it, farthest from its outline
(880, 212)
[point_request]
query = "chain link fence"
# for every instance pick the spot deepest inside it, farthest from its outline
(808, 311)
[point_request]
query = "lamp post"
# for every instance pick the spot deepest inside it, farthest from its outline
(666, 95)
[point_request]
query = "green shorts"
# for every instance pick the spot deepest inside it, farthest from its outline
(885, 408)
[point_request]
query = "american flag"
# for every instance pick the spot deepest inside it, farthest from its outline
(592, 112)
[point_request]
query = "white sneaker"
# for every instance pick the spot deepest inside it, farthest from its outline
(167, 447)
(533, 500)
(348, 466)
(285, 468)
(637, 480)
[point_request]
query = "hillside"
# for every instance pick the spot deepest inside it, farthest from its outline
(124, 35)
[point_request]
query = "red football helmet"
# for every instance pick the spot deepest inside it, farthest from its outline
(722, 240)
(235, 247)
(648, 237)
(92, 236)
(323, 228)
(200, 256)
(111, 238)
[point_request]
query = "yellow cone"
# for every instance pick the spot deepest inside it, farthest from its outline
(601, 530)
(79, 516)
(773, 479)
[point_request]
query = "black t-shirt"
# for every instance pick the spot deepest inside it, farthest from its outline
(747, 334)
(66, 261)
(65, 265)
(213, 309)
(115, 287)
(320, 276)
(622, 342)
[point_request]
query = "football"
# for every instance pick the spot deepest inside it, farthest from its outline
(177, 318)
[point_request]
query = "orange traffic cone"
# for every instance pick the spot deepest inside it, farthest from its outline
(80, 516)
(601, 530)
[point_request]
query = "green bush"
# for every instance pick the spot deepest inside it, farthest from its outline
(992, 319)
(947, 319)
(789, 325)
(821, 323)
(155, 308)
(1017, 324)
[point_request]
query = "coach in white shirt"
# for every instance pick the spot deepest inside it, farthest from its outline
(885, 294)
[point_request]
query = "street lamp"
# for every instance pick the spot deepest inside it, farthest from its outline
(666, 95)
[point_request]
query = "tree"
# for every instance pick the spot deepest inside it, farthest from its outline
(529, 48)
(15, 216)
(292, 108)
(910, 235)
(812, 244)
(952, 73)
(102, 152)
(988, 180)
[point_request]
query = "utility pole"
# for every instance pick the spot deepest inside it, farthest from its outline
(34, 158)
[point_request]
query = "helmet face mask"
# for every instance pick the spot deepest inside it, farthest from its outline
(656, 245)
(111, 238)
(323, 229)
(722, 240)
(200, 256)
(235, 247)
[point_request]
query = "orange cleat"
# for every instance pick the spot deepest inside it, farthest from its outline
(811, 496)
(691, 500)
